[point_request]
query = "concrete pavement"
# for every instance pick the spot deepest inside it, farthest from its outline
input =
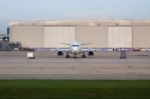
(105, 65)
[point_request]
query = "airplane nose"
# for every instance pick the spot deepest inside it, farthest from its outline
(76, 50)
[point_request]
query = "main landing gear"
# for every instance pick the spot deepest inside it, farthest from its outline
(67, 55)
(83, 56)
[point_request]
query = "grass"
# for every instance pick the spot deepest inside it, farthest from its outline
(74, 89)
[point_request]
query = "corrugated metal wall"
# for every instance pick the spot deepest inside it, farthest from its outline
(120, 37)
(101, 36)
(92, 34)
(53, 36)
(28, 36)
(141, 36)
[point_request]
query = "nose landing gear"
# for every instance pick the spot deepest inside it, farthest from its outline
(75, 56)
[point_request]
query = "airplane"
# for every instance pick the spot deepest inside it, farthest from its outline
(75, 49)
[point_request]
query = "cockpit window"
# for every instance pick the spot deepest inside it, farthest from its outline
(75, 45)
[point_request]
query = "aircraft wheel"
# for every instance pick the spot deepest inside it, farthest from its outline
(83, 56)
(67, 56)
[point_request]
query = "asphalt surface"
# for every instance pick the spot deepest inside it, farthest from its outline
(47, 65)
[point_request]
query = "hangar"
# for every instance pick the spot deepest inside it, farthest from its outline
(102, 33)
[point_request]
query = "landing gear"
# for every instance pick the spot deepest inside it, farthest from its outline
(83, 56)
(67, 56)
(75, 56)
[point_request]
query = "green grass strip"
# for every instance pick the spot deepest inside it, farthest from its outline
(74, 89)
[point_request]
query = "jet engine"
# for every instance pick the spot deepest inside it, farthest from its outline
(91, 53)
(60, 53)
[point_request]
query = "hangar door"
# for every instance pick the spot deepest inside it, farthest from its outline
(96, 35)
(53, 36)
(141, 36)
(28, 36)
(120, 37)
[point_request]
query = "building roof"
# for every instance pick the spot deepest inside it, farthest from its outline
(100, 22)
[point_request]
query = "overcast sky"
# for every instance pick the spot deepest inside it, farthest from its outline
(11, 10)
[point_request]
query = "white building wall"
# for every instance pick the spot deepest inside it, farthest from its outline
(55, 35)
(96, 35)
(102, 33)
(28, 36)
(141, 36)
(120, 37)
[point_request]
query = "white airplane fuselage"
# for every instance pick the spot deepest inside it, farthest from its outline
(75, 48)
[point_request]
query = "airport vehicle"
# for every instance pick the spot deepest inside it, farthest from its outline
(75, 49)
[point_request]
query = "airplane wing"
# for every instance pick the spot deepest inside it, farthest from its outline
(65, 43)
(86, 43)
(89, 49)
(60, 49)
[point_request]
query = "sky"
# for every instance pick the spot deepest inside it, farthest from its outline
(22, 10)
